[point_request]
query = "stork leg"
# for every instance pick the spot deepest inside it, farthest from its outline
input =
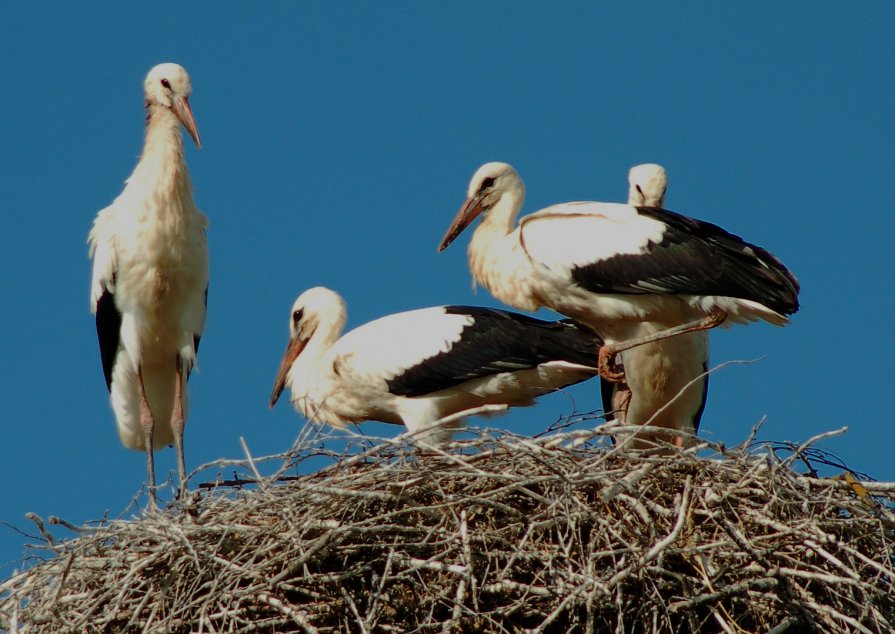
(606, 356)
(177, 424)
(148, 425)
(621, 400)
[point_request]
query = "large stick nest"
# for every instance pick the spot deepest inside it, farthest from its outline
(500, 533)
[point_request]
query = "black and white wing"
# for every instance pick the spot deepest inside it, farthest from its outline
(619, 249)
(102, 292)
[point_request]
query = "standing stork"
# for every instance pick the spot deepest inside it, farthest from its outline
(670, 372)
(630, 272)
(428, 368)
(150, 279)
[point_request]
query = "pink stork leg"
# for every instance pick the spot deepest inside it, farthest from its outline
(606, 356)
(178, 423)
(148, 424)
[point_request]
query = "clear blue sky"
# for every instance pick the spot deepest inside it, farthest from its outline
(337, 145)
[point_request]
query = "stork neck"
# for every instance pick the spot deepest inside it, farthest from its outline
(498, 223)
(163, 133)
(501, 218)
(497, 260)
(163, 163)
(322, 339)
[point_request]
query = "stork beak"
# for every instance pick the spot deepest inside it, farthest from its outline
(468, 212)
(185, 114)
(293, 349)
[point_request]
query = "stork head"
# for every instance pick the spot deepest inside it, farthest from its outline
(316, 309)
(168, 85)
(647, 185)
(490, 183)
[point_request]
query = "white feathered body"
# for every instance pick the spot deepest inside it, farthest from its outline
(627, 271)
(657, 372)
(346, 380)
(533, 268)
(418, 367)
(149, 249)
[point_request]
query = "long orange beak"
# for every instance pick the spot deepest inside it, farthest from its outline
(293, 349)
(185, 114)
(468, 212)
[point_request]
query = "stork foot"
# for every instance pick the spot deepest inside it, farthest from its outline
(715, 318)
(607, 366)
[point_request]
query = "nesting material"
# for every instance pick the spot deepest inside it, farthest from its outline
(500, 533)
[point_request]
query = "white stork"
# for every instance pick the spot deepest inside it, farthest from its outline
(630, 272)
(427, 368)
(150, 279)
(670, 372)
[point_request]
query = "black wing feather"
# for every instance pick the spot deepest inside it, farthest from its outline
(108, 332)
(697, 417)
(695, 258)
(498, 341)
(607, 391)
(197, 337)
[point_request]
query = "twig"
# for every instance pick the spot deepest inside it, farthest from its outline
(811, 441)
(38, 521)
(298, 618)
(251, 461)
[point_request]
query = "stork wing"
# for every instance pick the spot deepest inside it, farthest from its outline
(102, 291)
(101, 242)
(620, 249)
(197, 336)
(108, 332)
(495, 341)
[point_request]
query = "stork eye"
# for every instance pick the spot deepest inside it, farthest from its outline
(487, 183)
(639, 190)
(166, 84)
(297, 315)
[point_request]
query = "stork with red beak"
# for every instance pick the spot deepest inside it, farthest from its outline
(630, 271)
(427, 368)
(150, 279)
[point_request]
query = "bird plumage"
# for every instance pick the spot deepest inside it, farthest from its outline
(150, 272)
(669, 377)
(647, 184)
(625, 270)
(418, 367)
(572, 257)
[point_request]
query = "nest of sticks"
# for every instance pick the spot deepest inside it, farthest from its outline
(497, 533)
